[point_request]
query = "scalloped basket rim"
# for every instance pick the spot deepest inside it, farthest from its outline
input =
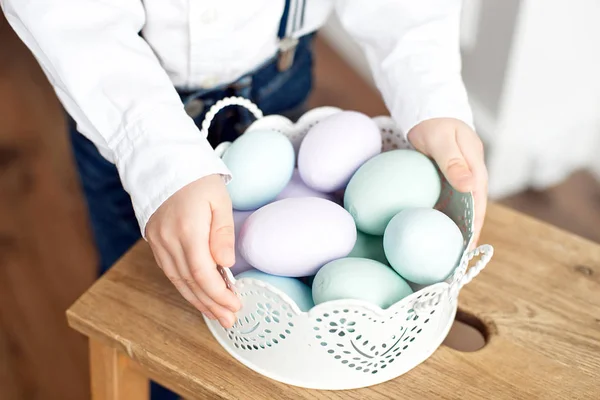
(294, 382)
(343, 303)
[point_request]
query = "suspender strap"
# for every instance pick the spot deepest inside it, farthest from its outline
(291, 22)
(293, 18)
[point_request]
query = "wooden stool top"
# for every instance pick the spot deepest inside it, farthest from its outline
(539, 298)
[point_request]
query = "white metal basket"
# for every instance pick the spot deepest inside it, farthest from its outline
(343, 344)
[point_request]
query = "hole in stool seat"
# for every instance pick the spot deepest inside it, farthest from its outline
(468, 333)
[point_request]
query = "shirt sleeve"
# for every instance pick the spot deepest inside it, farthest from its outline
(112, 84)
(413, 50)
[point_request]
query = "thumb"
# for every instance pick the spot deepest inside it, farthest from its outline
(222, 236)
(443, 148)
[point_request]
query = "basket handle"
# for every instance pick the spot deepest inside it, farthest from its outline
(227, 276)
(226, 102)
(486, 251)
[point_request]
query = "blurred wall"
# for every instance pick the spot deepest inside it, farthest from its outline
(47, 258)
(486, 48)
(531, 70)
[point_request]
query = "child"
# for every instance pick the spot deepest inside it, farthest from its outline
(138, 76)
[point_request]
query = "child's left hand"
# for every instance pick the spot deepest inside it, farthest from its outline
(459, 153)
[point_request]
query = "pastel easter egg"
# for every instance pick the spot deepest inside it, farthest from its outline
(423, 245)
(369, 246)
(261, 163)
(299, 292)
(297, 188)
(389, 183)
(359, 279)
(335, 148)
(296, 236)
(241, 265)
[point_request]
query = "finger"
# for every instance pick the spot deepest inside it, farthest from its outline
(204, 271)
(473, 151)
(219, 312)
(443, 148)
(480, 200)
(226, 317)
(201, 265)
(169, 267)
(222, 235)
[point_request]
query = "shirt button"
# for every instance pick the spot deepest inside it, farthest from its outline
(194, 108)
(209, 16)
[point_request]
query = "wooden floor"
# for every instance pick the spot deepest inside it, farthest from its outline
(46, 256)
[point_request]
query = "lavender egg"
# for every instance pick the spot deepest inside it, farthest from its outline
(335, 148)
(241, 265)
(297, 188)
(295, 237)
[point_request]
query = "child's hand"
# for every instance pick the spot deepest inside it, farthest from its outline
(190, 234)
(459, 153)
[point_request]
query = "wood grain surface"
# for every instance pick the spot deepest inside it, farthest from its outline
(114, 375)
(539, 299)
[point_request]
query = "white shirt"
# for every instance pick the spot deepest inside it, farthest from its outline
(119, 87)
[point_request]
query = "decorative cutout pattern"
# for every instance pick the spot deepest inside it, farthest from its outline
(392, 139)
(262, 326)
(359, 352)
(368, 344)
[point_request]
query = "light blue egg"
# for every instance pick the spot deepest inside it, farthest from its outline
(261, 163)
(298, 291)
(359, 279)
(423, 245)
(389, 183)
(369, 246)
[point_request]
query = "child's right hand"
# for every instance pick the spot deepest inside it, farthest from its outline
(190, 234)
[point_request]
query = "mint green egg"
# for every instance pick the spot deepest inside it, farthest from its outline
(359, 279)
(389, 183)
(369, 246)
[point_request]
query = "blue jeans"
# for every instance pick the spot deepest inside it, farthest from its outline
(113, 222)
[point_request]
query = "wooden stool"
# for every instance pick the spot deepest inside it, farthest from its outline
(539, 300)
